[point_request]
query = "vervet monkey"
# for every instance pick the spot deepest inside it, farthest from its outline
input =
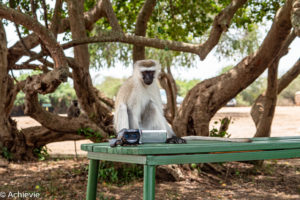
(138, 103)
(73, 110)
(139, 106)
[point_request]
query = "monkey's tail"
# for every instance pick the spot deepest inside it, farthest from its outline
(198, 138)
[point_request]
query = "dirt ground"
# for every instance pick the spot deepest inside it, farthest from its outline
(67, 179)
(61, 178)
(286, 123)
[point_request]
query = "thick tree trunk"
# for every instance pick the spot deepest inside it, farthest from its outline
(263, 128)
(207, 97)
(86, 93)
(4, 125)
(10, 138)
(258, 108)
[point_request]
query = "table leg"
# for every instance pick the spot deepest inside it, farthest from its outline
(149, 182)
(92, 180)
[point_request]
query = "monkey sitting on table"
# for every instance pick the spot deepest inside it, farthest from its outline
(73, 110)
(139, 106)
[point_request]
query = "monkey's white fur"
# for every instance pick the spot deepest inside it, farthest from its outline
(139, 106)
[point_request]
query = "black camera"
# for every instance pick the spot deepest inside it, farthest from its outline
(138, 136)
(126, 137)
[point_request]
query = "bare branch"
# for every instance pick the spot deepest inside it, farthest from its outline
(34, 134)
(112, 36)
(33, 9)
(289, 76)
(41, 31)
(17, 50)
(55, 22)
(141, 27)
(55, 122)
(27, 66)
(45, 13)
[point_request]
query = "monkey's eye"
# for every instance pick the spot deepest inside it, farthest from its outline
(148, 74)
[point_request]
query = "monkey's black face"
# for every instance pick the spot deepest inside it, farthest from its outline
(148, 77)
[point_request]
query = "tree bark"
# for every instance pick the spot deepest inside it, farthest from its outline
(87, 95)
(5, 126)
(141, 27)
(296, 16)
(207, 97)
(258, 108)
(269, 104)
(10, 138)
(168, 83)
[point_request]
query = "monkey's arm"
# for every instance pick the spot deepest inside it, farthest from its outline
(193, 138)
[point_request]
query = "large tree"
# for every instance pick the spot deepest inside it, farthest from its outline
(123, 22)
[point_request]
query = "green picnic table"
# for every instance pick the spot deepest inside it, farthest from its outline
(152, 155)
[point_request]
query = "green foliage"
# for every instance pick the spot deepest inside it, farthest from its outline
(226, 69)
(239, 42)
(185, 86)
(63, 94)
(214, 132)
(90, 134)
(110, 86)
(41, 152)
(103, 197)
(249, 95)
(6, 153)
(187, 21)
(115, 173)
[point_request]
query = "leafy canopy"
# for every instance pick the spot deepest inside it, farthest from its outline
(183, 20)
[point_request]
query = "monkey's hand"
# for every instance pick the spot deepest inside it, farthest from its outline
(176, 140)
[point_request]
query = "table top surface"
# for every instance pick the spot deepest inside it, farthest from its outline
(191, 147)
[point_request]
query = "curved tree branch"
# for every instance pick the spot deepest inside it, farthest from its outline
(90, 17)
(56, 19)
(221, 24)
(44, 83)
(94, 14)
(17, 50)
(55, 122)
(43, 33)
(38, 136)
(141, 27)
(289, 76)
